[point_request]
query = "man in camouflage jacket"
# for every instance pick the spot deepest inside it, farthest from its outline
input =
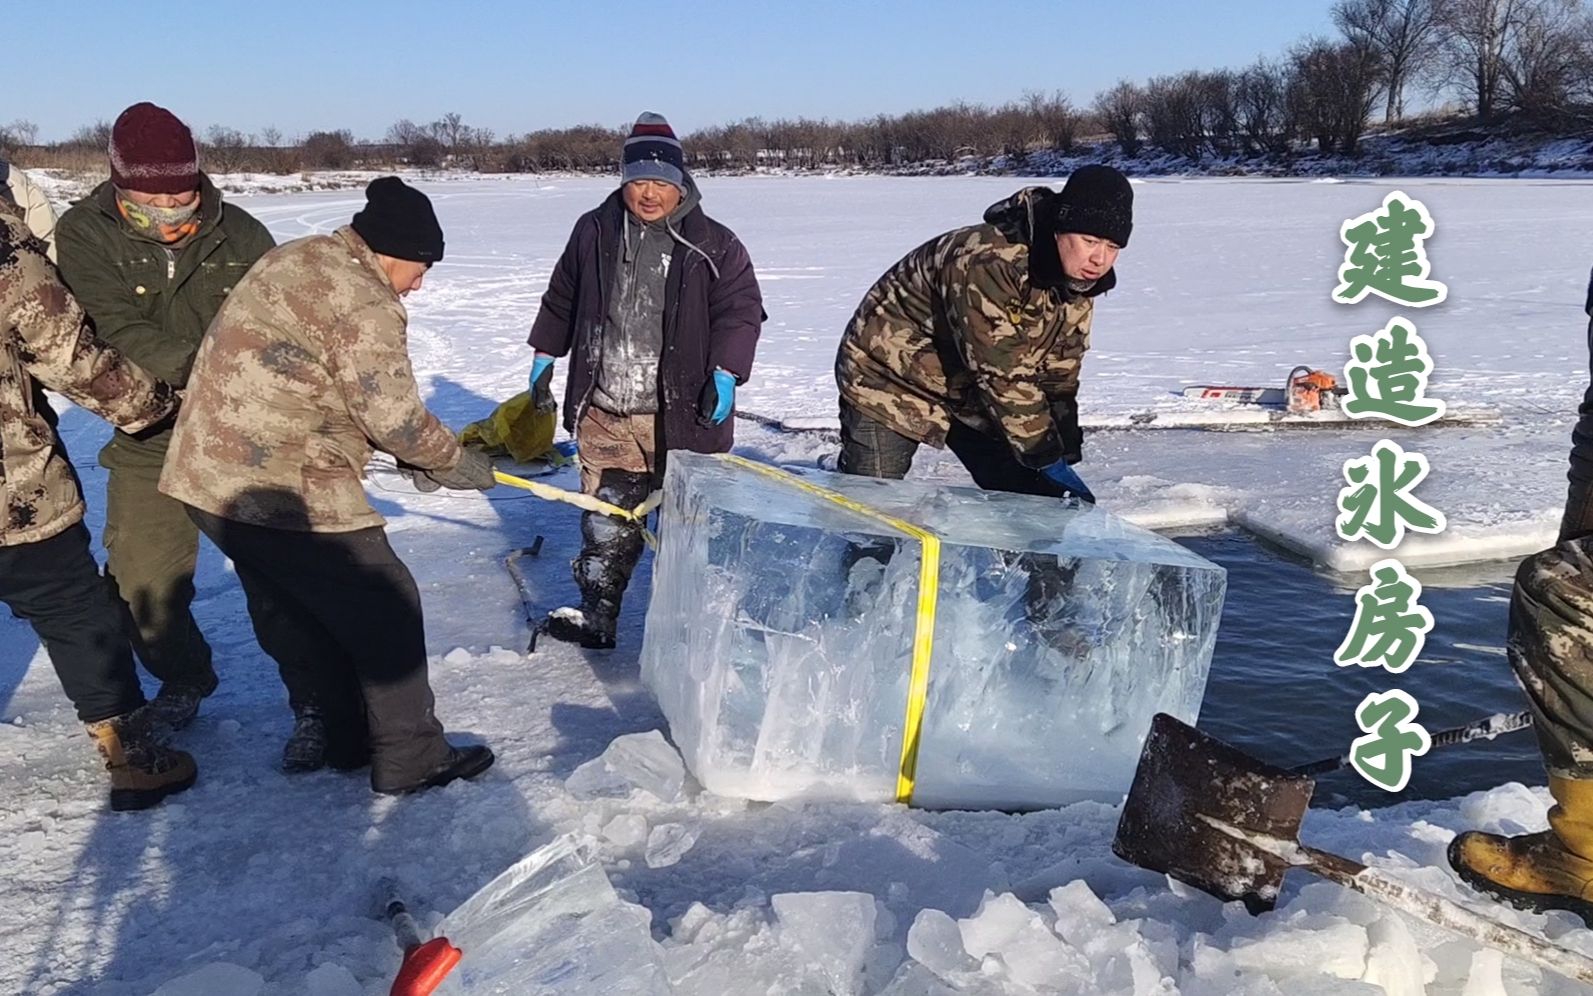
(47, 575)
(973, 340)
(303, 373)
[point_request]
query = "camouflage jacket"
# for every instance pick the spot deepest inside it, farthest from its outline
(46, 342)
(975, 326)
(304, 371)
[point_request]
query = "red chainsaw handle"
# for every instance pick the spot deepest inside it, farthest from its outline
(425, 967)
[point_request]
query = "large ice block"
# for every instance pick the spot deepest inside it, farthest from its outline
(779, 639)
(553, 924)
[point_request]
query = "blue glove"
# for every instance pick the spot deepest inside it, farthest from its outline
(1062, 475)
(718, 397)
(542, 382)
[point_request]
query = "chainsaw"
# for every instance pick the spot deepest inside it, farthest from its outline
(1305, 390)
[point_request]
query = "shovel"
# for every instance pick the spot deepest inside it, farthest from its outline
(1215, 818)
(1485, 728)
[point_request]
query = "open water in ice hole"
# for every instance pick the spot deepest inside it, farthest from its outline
(1275, 692)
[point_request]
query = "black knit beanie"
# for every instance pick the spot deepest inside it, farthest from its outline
(398, 221)
(1099, 201)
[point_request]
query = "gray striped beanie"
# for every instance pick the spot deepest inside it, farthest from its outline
(652, 152)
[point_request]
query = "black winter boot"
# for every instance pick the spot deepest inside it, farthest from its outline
(609, 551)
(305, 749)
(462, 762)
(591, 625)
(174, 706)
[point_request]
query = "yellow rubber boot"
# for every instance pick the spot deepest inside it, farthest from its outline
(1551, 870)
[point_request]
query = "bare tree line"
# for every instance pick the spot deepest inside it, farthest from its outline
(1526, 61)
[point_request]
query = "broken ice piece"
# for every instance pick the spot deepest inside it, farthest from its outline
(217, 977)
(626, 830)
(553, 923)
(831, 930)
(636, 760)
(668, 843)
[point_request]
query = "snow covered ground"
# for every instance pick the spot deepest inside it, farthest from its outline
(1224, 281)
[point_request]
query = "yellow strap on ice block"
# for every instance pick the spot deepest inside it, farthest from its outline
(923, 632)
(587, 503)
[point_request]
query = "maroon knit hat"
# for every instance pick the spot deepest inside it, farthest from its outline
(152, 152)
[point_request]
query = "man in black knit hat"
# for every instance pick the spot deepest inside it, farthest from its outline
(304, 373)
(973, 341)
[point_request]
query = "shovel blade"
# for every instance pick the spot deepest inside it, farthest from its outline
(1184, 774)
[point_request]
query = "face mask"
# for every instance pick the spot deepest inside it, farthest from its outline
(168, 223)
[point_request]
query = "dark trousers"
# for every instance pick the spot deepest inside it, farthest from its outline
(55, 585)
(343, 612)
(151, 550)
(873, 449)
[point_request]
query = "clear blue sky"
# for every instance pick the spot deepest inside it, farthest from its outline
(519, 65)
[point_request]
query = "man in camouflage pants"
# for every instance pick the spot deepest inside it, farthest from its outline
(973, 340)
(302, 375)
(47, 574)
(1550, 648)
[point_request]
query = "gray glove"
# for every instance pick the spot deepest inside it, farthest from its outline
(472, 473)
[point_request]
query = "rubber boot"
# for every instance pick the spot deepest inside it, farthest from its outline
(1551, 870)
(609, 552)
(591, 625)
(142, 771)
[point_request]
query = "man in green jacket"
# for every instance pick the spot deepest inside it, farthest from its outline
(151, 255)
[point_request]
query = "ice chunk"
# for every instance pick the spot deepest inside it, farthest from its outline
(1394, 961)
(1031, 953)
(1486, 977)
(1080, 914)
(1338, 949)
(913, 979)
(669, 842)
(217, 977)
(626, 830)
(636, 760)
(935, 942)
(830, 931)
(332, 979)
(553, 923)
(780, 638)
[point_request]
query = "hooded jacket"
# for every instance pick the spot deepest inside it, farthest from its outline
(713, 311)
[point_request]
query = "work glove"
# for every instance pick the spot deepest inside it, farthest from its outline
(472, 473)
(1062, 475)
(717, 398)
(542, 383)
